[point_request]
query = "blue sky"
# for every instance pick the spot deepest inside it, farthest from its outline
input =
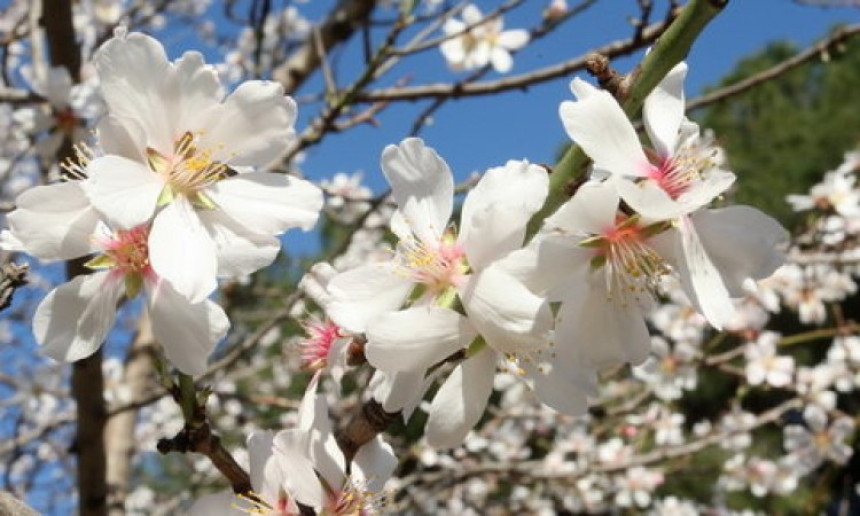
(474, 134)
(477, 133)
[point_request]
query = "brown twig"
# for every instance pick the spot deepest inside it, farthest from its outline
(517, 82)
(820, 49)
(12, 276)
(338, 27)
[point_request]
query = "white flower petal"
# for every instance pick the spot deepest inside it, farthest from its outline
(224, 503)
(268, 203)
(422, 185)
(253, 127)
(715, 182)
(188, 332)
(363, 293)
(74, 318)
(590, 211)
(606, 331)
(649, 199)
(54, 222)
(398, 391)
(132, 69)
(373, 464)
(298, 471)
(182, 252)
(663, 110)
(496, 211)
(259, 445)
(598, 125)
(501, 60)
(472, 15)
(546, 264)
(58, 87)
(416, 338)
(239, 251)
(702, 280)
(509, 317)
(566, 382)
(460, 402)
(742, 243)
(513, 39)
(123, 137)
(198, 86)
(124, 191)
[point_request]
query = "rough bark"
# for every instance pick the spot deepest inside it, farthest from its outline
(87, 379)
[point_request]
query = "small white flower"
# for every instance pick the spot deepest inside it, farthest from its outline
(818, 441)
(476, 41)
(765, 365)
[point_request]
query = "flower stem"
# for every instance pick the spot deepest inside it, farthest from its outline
(187, 397)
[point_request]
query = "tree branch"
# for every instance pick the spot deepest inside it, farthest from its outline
(338, 27)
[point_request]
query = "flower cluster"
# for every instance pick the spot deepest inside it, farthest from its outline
(177, 196)
(573, 300)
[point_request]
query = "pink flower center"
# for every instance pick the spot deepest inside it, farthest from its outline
(630, 265)
(436, 268)
(315, 349)
(680, 172)
(127, 251)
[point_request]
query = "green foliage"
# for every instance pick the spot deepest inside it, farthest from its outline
(782, 135)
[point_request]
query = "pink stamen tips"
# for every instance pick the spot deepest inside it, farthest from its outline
(321, 337)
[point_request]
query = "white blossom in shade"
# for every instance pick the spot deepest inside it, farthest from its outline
(713, 251)
(674, 506)
(74, 319)
(669, 371)
(634, 487)
(819, 441)
(765, 365)
(735, 427)
(837, 192)
(843, 363)
(347, 197)
(808, 288)
(477, 41)
(67, 109)
(668, 428)
(180, 153)
(815, 384)
(431, 265)
(614, 452)
(761, 476)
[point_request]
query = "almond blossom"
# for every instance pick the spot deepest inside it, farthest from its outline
(477, 41)
(431, 266)
(819, 441)
(180, 153)
(304, 466)
(765, 365)
(712, 250)
(601, 265)
(57, 222)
